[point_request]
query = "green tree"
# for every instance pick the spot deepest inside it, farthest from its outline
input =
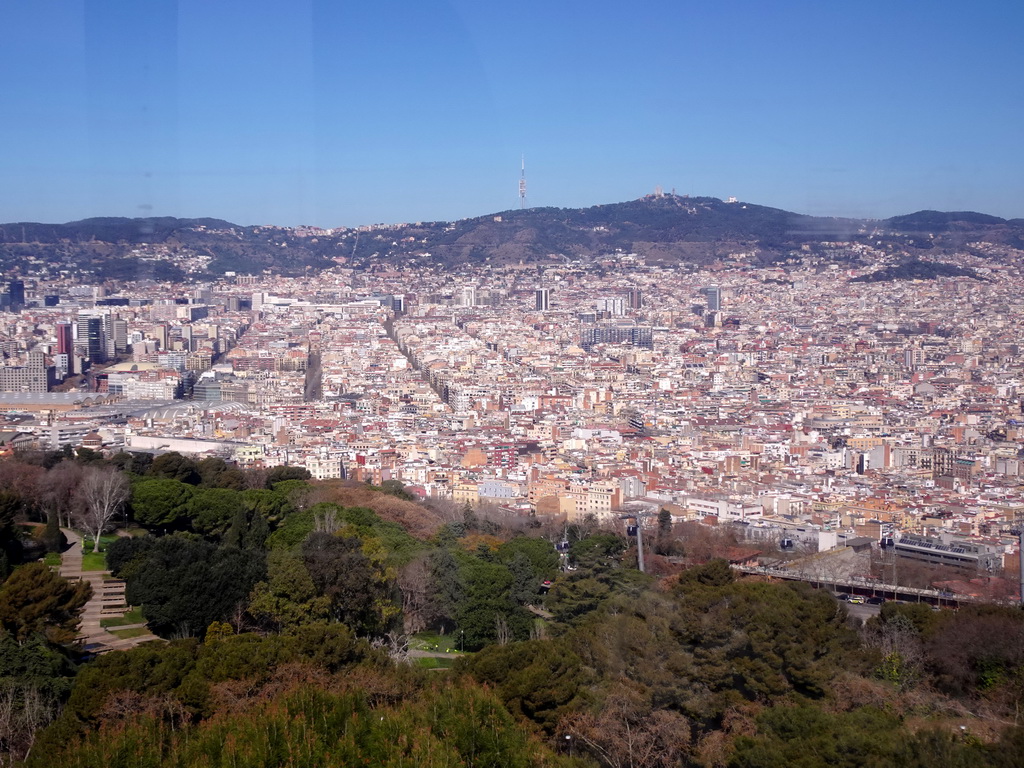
(185, 584)
(542, 680)
(358, 588)
(216, 473)
(161, 502)
(211, 510)
(176, 467)
(36, 600)
(541, 554)
(288, 598)
(597, 550)
(52, 536)
(525, 584)
(487, 603)
(280, 474)
(446, 590)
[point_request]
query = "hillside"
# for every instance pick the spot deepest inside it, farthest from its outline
(669, 229)
(917, 270)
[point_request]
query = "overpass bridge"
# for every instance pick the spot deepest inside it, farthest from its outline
(860, 585)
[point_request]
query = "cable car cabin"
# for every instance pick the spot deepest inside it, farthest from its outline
(786, 544)
(631, 530)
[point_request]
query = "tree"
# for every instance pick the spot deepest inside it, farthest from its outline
(447, 589)
(212, 510)
(288, 597)
(160, 502)
(418, 610)
(217, 473)
(52, 536)
(133, 462)
(542, 556)
(176, 467)
(627, 731)
(104, 493)
(185, 584)
(663, 541)
(58, 490)
(525, 582)
(35, 677)
(358, 588)
(281, 474)
(36, 600)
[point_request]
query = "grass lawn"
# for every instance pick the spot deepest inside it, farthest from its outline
(52, 559)
(432, 663)
(134, 616)
(124, 634)
(431, 641)
(94, 561)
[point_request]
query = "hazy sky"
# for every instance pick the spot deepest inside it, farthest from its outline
(333, 112)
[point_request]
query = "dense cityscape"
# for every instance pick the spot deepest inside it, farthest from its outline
(640, 511)
(790, 403)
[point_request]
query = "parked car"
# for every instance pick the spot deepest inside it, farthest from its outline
(876, 600)
(857, 599)
(843, 596)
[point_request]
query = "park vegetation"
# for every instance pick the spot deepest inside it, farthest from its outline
(285, 609)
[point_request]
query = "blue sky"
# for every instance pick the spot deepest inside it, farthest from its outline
(337, 113)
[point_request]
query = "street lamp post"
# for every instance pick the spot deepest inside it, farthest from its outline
(462, 640)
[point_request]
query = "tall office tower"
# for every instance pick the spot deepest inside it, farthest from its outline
(159, 332)
(119, 333)
(186, 338)
(90, 337)
(543, 296)
(714, 294)
(65, 339)
(636, 298)
(468, 296)
(17, 293)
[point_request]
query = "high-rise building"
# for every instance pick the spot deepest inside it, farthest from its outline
(636, 298)
(630, 335)
(65, 339)
(543, 297)
(90, 337)
(613, 306)
(16, 291)
(714, 294)
(34, 376)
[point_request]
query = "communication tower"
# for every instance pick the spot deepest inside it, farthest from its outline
(522, 185)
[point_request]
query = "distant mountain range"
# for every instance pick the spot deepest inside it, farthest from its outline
(661, 228)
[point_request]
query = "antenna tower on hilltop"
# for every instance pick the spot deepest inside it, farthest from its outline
(522, 185)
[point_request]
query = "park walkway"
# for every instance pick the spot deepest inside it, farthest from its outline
(107, 602)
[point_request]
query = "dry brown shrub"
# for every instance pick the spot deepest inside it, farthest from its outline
(380, 687)
(713, 750)
(124, 705)
(472, 542)
(417, 519)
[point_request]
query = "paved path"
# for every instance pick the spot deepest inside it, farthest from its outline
(103, 604)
